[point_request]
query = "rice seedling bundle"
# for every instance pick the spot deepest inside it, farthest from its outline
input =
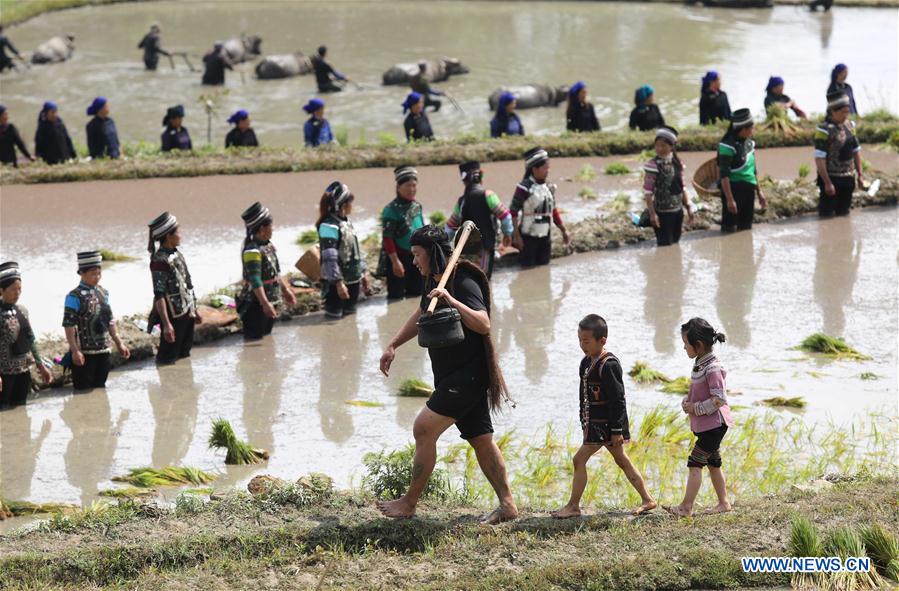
(679, 385)
(617, 168)
(883, 549)
(804, 541)
(239, 452)
(778, 121)
(307, 237)
(24, 508)
(830, 346)
(148, 477)
(845, 543)
(586, 174)
(438, 218)
(794, 402)
(364, 403)
(641, 373)
(109, 255)
(131, 492)
(415, 388)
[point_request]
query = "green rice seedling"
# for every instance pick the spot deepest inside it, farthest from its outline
(415, 388)
(586, 174)
(364, 403)
(587, 193)
(130, 492)
(203, 490)
(438, 218)
(883, 549)
(307, 237)
(845, 543)
(112, 256)
(342, 135)
(804, 170)
(148, 477)
(641, 373)
(617, 168)
(387, 139)
(804, 541)
(25, 508)
(680, 385)
(869, 375)
(239, 452)
(831, 346)
(620, 203)
(778, 121)
(794, 402)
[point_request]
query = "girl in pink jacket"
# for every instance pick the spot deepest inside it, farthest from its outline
(706, 405)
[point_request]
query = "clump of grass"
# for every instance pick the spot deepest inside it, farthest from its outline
(25, 508)
(845, 543)
(586, 174)
(415, 388)
(641, 373)
(617, 168)
(869, 375)
(130, 492)
(438, 218)
(112, 256)
(364, 403)
(830, 346)
(387, 139)
(804, 541)
(620, 203)
(148, 477)
(239, 452)
(388, 475)
(804, 170)
(679, 385)
(342, 135)
(883, 548)
(587, 193)
(307, 238)
(188, 504)
(794, 402)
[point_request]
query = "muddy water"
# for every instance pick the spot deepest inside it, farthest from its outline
(766, 289)
(613, 47)
(43, 225)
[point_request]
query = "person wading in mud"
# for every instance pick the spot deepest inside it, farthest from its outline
(468, 381)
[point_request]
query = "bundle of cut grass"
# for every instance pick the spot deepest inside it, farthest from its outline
(830, 346)
(239, 452)
(794, 402)
(24, 508)
(130, 492)
(679, 385)
(845, 543)
(415, 388)
(169, 476)
(804, 541)
(587, 193)
(586, 174)
(365, 403)
(109, 255)
(616, 168)
(778, 121)
(883, 549)
(307, 237)
(641, 373)
(438, 218)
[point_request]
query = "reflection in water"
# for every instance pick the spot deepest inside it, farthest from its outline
(19, 452)
(262, 377)
(338, 381)
(90, 452)
(836, 271)
(174, 399)
(737, 271)
(666, 282)
(826, 29)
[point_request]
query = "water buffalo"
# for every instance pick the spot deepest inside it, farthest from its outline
(529, 96)
(57, 49)
(437, 70)
(283, 65)
(243, 49)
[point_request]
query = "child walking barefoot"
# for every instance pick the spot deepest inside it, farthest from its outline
(706, 405)
(603, 416)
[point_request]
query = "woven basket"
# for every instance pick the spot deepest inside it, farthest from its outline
(705, 179)
(310, 263)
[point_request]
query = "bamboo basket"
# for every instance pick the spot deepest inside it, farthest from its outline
(310, 264)
(705, 179)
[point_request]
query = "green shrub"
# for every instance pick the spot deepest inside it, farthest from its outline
(388, 475)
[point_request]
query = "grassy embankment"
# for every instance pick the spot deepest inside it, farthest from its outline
(145, 161)
(16, 11)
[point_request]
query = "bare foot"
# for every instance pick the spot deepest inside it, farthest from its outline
(500, 514)
(398, 509)
(567, 512)
(724, 507)
(646, 507)
(678, 510)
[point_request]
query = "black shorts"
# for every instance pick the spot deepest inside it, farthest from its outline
(462, 397)
(705, 452)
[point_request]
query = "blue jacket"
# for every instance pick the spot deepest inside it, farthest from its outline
(317, 132)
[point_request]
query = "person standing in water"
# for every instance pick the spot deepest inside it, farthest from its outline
(505, 121)
(416, 125)
(343, 269)
(317, 129)
(88, 323)
(706, 405)
(215, 63)
(399, 219)
(485, 209)
(663, 189)
(646, 114)
(774, 95)
(580, 115)
(10, 139)
(534, 211)
(151, 45)
(5, 60)
(838, 84)
(324, 72)
(263, 286)
(837, 153)
(175, 136)
(738, 174)
(174, 302)
(102, 136)
(52, 143)
(469, 384)
(420, 84)
(713, 103)
(241, 135)
(16, 341)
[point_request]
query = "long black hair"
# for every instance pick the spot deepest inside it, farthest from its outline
(698, 330)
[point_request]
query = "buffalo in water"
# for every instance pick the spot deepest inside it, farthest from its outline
(243, 49)
(530, 96)
(57, 49)
(283, 65)
(437, 71)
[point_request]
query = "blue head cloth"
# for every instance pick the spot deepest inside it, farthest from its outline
(49, 106)
(411, 99)
(709, 77)
(95, 106)
(313, 105)
(837, 70)
(774, 81)
(238, 116)
(2, 109)
(643, 93)
(576, 88)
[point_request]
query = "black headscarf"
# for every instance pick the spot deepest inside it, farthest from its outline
(437, 243)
